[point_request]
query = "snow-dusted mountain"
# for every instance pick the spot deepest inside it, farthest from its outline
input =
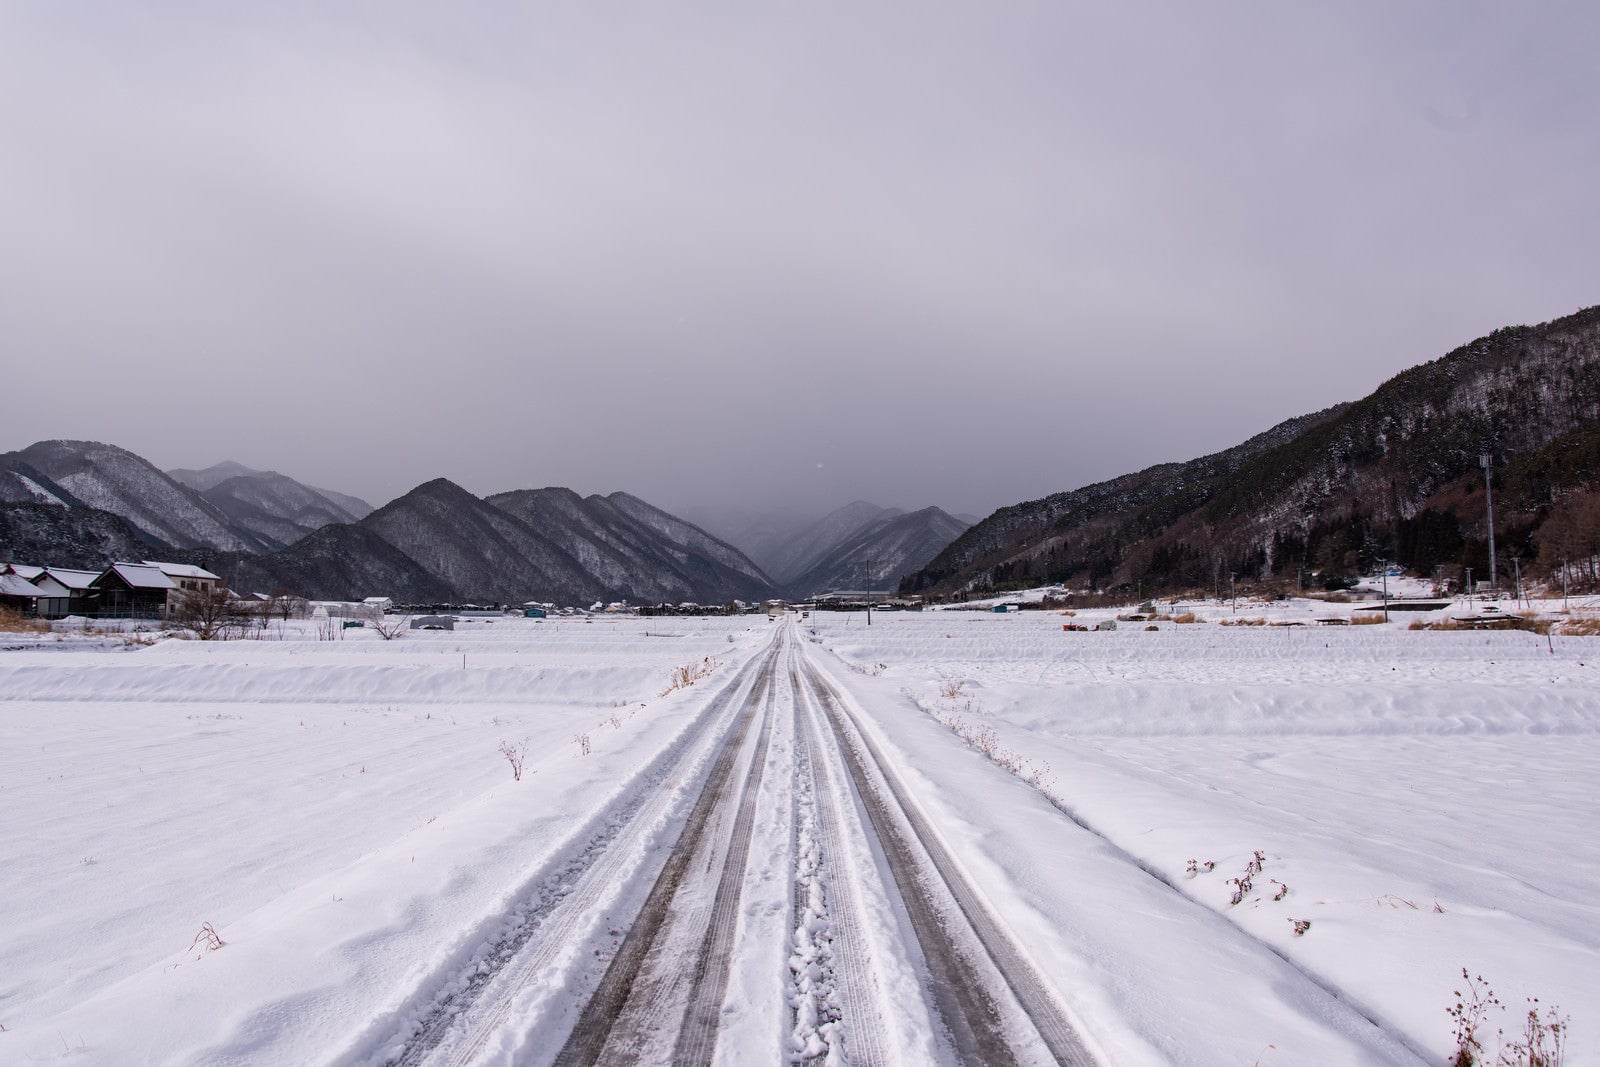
(480, 551)
(1395, 476)
(270, 504)
(339, 562)
(212, 476)
(113, 479)
(808, 545)
(760, 534)
(50, 534)
(637, 551)
(440, 543)
(815, 556)
(882, 551)
(20, 483)
(85, 504)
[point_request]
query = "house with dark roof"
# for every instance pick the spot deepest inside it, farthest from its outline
(134, 591)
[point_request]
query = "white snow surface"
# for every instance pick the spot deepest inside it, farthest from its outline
(39, 491)
(341, 815)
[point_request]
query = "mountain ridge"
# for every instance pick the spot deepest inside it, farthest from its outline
(1327, 493)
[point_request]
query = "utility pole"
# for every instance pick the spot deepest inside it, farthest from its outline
(1487, 462)
(1469, 585)
(1386, 592)
(869, 590)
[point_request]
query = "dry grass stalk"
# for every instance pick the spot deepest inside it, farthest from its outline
(13, 622)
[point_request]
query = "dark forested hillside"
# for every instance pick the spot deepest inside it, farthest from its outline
(1393, 476)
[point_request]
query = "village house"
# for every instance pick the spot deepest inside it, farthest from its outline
(187, 577)
(65, 591)
(53, 596)
(18, 594)
(134, 591)
(148, 589)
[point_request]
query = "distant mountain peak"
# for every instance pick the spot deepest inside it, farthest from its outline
(111, 478)
(214, 475)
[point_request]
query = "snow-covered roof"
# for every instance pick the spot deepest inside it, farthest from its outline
(71, 577)
(182, 570)
(143, 576)
(48, 586)
(23, 570)
(16, 585)
(377, 600)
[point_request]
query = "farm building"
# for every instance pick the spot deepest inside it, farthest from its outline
(134, 591)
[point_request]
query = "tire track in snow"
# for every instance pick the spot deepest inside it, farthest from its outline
(834, 992)
(661, 996)
(986, 992)
(474, 1002)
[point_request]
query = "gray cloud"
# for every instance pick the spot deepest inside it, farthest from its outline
(725, 257)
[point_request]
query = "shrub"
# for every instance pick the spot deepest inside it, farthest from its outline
(12, 622)
(1542, 1042)
(515, 754)
(690, 673)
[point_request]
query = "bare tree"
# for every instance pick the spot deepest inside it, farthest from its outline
(209, 611)
(389, 627)
(284, 602)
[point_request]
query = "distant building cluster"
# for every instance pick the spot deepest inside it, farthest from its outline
(148, 589)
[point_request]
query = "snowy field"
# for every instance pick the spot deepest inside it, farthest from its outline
(1428, 798)
(342, 816)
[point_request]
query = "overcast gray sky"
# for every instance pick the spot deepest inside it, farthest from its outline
(740, 255)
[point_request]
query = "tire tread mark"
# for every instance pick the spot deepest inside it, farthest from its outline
(587, 1043)
(860, 998)
(523, 950)
(968, 1016)
(698, 1038)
